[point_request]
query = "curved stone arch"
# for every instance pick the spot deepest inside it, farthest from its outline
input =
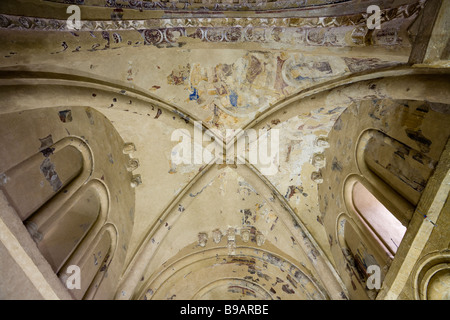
(433, 265)
(88, 186)
(87, 166)
(74, 83)
(214, 284)
(214, 256)
(20, 75)
(397, 204)
(346, 17)
(405, 83)
(358, 223)
(102, 219)
(308, 244)
(159, 232)
(400, 91)
(62, 77)
(84, 257)
(52, 214)
(365, 81)
(320, 88)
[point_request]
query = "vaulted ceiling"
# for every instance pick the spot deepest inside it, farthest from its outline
(212, 230)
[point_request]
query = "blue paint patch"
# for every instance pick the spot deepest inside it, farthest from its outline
(301, 78)
(233, 98)
(194, 94)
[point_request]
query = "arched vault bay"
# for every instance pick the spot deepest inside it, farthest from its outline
(312, 111)
(229, 218)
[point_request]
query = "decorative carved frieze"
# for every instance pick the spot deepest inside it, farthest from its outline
(339, 31)
(205, 5)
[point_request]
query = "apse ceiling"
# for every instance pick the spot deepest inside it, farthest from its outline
(154, 67)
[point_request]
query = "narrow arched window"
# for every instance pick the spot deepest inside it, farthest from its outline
(382, 224)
